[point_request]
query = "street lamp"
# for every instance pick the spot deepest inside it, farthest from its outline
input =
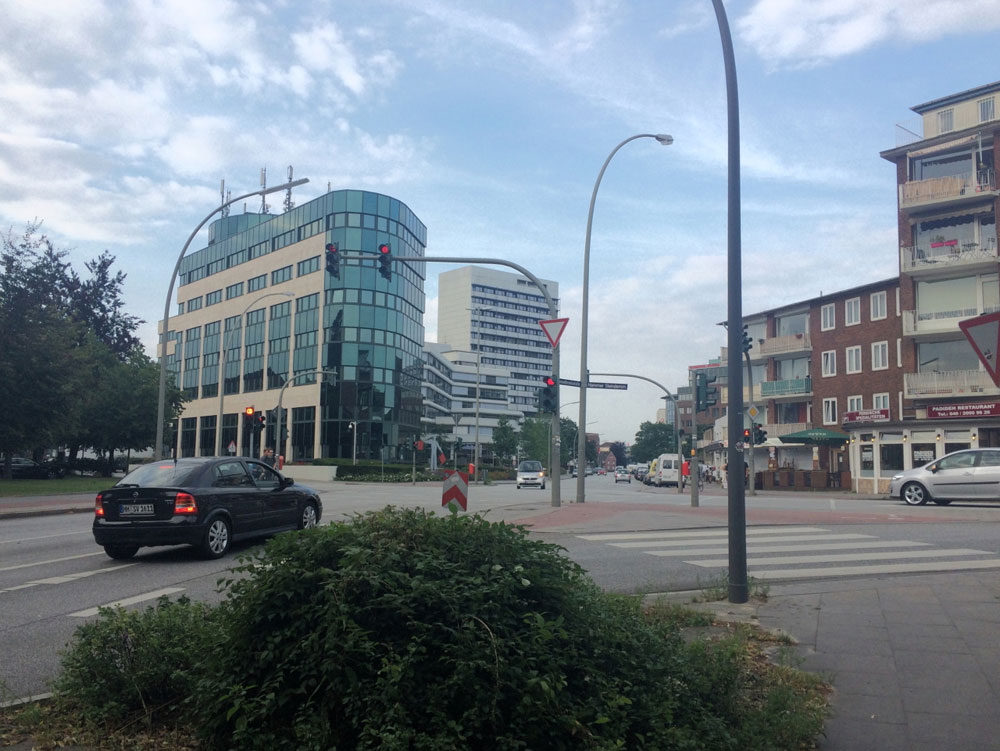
(354, 432)
(664, 140)
(162, 399)
(222, 368)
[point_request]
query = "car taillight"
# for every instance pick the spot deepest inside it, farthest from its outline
(184, 504)
(99, 505)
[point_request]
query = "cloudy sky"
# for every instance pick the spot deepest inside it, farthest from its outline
(491, 120)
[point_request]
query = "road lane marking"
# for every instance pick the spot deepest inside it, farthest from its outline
(67, 578)
(791, 548)
(675, 534)
(844, 557)
(90, 612)
(724, 541)
(888, 568)
(51, 560)
(45, 537)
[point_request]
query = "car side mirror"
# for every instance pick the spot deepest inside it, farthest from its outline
(932, 467)
(286, 482)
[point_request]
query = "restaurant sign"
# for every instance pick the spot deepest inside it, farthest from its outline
(867, 415)
(978, 409)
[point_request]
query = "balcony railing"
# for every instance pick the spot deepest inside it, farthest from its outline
(777, 345)
(918, 322)
(792, 387)
(924, 258)
(949, 383)
(945, 189)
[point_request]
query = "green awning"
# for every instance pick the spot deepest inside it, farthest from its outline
(818, 436)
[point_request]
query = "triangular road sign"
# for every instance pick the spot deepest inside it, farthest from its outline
(983, 334)
(554, 329)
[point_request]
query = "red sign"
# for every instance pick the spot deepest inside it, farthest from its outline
(456, 489)
(979, 409)
(867, 415)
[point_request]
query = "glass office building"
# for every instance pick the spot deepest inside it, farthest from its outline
(261, 314)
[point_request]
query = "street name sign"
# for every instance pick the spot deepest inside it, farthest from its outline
(597, 385)
(568, 382)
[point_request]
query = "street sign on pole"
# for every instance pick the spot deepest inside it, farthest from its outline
(983, 333)
(596, 385)
(568, 382)
(554, 329)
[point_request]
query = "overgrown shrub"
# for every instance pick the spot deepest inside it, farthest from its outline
(403, 630)
(128, 662)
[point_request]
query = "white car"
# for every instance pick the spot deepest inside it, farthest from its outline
(622, 476)
(969, 475)
(530, 474)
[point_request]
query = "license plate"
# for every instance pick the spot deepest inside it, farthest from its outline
(134, 509)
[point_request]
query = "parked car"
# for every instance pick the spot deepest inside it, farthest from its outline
(970, 475)
(207, 502)
(28, 469)
(663, 471)
(622, 476)
(601, 471)
(530, 474)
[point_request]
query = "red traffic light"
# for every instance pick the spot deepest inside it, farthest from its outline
(746, 432)
(383, 249)
(550, 381)
(331, 247)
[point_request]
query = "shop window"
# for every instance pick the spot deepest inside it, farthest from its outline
(922, 453)
(890, 458)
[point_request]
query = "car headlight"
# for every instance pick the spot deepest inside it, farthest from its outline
(896, 477)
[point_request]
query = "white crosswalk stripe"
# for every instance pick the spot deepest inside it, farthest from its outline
(768, 550)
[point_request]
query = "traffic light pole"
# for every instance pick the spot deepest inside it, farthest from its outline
(278, 441)
(555, 469)
(751, 489)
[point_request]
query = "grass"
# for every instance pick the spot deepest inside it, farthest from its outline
(773, 684)
(59, 486)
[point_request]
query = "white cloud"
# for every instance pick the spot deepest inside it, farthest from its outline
(812, 32)
(323, 50)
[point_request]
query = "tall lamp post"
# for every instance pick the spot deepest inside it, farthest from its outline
(354, 450)
(222, 369)
(664, 140)
(162, 399)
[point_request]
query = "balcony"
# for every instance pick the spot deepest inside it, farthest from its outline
(792, 387)
(933, 322)
(955, 383)
(783, 345)
(953, 190)
(917, 259)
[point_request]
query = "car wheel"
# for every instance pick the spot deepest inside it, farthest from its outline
(543, 486)
(914, 494)
(518, 487)
(308, 519)
(121, 552)
(218, 538)
(941, 501)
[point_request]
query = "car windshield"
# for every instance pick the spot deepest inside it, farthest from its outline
(529, 467)
(162, 474)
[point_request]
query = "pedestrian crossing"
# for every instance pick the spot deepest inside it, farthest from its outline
(770, 552)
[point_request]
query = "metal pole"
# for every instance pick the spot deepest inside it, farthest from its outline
(354, 450)
(584, 376)
(162, 398)
(738, 584)
(751, 490)
(479, 358)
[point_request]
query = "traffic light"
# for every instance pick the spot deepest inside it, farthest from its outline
(746, 435)
(747, 341)
(248, 417)
(711, 392)
(705, 394)
(259, 421)
(385, 261)
(333, 260)
(548, 396)
(759, 434)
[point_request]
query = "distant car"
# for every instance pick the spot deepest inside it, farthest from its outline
(622, 476)
(206, 502)
(530, 474)
(602, 471)
(28, 469)
(969, 475)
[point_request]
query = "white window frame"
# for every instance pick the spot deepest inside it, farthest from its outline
(830, 411)
(852, 311)
(987, 109)
(829, 363)
(855, 403)
(946, 120)
(855, 366)
(879, 309)
(880, 401)
(880, 355)
(828, 317)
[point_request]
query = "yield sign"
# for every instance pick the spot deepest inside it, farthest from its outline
(456, 490)
(553, 329)
(983, 334)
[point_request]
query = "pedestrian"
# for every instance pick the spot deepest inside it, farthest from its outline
(685, 473)
(725, 475)
(268, 457)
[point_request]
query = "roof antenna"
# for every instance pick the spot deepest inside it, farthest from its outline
(225, 195)
(289, 203)
(263, 196)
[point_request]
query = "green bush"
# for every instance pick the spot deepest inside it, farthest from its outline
(128, 662)
(403, 630)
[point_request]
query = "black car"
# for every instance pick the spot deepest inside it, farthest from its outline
(28, 469)
(206, 502)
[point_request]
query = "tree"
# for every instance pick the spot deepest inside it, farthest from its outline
(621, 453)
(534, 439)
(504, 440)
(653, 439)
(567, 440)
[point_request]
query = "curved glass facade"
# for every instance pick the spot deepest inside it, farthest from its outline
(366, 332)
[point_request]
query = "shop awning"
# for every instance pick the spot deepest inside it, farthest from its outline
(816, 436)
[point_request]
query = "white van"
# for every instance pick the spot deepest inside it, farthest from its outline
(666, 470)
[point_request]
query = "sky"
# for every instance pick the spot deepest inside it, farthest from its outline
(491, 121)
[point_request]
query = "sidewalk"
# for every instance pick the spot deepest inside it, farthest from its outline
(914, 660)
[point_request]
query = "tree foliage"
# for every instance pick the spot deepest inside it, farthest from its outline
(533, 440)
(620, 452)
(504, 441)
(653, 439)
